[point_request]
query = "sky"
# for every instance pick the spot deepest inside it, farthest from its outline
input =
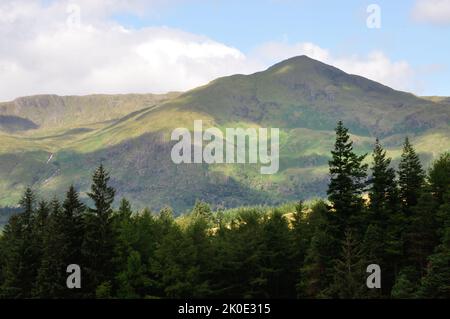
(78, 47)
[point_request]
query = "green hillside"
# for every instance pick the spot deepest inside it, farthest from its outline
(49, 142)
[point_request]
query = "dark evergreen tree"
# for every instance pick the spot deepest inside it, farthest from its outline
(22, 252)
(383, 243)
(405, 285)
(51, 279)
(302, 232)
(237, 264)
(72, 226)
(436, 282)
(202, 209)
(347, 182)
(383, 192)
(277, 271)
(422, 232)
(411, 177)
(349, 271)
(439, 178)
(174, 266)
(316, 274)
(133, 281)
(13, 251)
(99, 240)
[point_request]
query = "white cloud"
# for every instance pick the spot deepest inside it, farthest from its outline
(375, 66)
(41, 53)
(432, 11)
(273, 52)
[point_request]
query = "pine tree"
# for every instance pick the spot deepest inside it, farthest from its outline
(133, 281)
(99, 240)
(22, 251)
(443, 214)
(373, 245)
(302, 232)
(27, 203)
(347, 181)
(405, 285)
(316, 274)
(383, 244)
(202, 209)
(125, 211)
(126, 233)
(383, 193)
(422, 232)
(277, 274)
(72, 227)
(349, 279)
(236, 266)
(439, 178)
(436, 283)
(51, 278)
(62, 247)
(411, 177)
(174, 265)
(13, 251)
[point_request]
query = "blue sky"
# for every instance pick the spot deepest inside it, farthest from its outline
(339, 26)
(121, 46)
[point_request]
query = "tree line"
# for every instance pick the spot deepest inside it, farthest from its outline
(398, 219)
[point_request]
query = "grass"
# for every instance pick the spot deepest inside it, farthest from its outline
(130, 134)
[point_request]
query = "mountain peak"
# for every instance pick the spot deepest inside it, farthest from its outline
(303, 64)
(301, 60)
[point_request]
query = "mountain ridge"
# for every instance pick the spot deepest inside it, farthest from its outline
(303, 97)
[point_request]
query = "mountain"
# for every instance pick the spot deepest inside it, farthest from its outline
(62, 112)
(49, 142)
(438, 99)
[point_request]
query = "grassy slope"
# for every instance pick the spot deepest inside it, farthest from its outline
(302, 97)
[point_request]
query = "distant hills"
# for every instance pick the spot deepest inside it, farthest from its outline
(50, 141)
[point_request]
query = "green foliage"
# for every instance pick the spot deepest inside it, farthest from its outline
(439, 177)
(99, 237)
(405, 286)
(302, 249)
(133, 281)
(436, 282)
(383, 193)
(348, 281)
(347, 183)
(411, 177)
(301, 96)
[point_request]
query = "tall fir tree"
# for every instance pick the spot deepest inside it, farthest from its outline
(73, 211)
(383, 193)
(22, 254)
(439, 180)
(436, 282)
(411, 177)
(277, 273)
(347, 182)
(383, 243)
(349, 279)
(422, 232)
(51, 279)
(99, 240)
